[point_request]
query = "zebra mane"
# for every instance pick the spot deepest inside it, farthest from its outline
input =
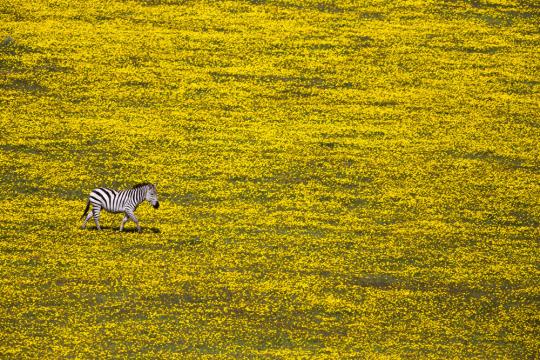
(141, 185)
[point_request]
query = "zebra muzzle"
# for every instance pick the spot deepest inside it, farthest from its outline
(156, 205)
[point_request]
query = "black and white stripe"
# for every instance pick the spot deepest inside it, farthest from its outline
(123, 201)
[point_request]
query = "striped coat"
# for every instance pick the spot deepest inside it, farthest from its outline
(120, 201)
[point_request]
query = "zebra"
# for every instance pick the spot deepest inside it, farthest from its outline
(124, 201)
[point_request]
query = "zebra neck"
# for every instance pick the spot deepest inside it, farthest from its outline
(139, 195)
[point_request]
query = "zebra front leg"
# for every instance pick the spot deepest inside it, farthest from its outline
(86, 220)
(124, 220)
(134, 219)
(96, 211)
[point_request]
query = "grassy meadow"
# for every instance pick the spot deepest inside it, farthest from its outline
(338, 179)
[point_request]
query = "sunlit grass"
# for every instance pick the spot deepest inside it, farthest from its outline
(337, 179)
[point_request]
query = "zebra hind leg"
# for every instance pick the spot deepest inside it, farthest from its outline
(86, 220)
(96, 211)
(124, 220)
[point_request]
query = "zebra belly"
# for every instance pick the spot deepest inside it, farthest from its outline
(115, 208)
(108, 208)
(108, 200)
(114, 211)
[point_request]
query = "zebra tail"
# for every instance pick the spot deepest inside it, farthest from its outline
(86, 210)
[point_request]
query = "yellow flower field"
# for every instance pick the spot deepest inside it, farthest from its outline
(338, 179)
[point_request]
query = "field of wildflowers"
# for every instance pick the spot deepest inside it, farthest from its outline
(337, 178)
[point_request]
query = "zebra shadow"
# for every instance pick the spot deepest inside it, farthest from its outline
(115, 229)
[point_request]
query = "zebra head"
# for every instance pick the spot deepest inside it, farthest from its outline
(151, 195)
